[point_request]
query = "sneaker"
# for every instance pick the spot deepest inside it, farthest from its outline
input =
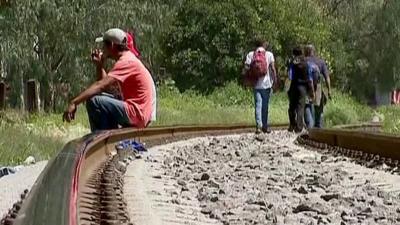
(291, 129)
(258, 130)
(266, 130)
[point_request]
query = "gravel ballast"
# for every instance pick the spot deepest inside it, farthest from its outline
(248, 179)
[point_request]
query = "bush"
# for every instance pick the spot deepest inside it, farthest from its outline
(391, 119)
(232, 95)
(208, 39)
(344, 109)
(17, 143)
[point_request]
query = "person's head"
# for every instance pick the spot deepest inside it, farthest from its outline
(309, 50)
(260, 43)
(297, 51)
(114, 42)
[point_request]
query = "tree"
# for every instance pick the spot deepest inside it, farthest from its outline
(365, 44)
(51, 40)
(209, 39)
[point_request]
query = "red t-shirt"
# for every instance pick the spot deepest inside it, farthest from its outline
(136, 86)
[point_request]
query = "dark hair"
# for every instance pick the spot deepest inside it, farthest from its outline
(120, 48)
(297, 51)
(309, 50)
(259, 42)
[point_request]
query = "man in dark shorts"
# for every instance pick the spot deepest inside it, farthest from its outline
(322, 96)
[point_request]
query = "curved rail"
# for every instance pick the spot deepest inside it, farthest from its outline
(54, 199)
(383, 145)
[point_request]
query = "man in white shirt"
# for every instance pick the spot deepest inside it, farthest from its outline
(263, 87)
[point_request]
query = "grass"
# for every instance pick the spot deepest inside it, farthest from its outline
(42, 135)
(224, 106)
(343, 109)
(391, 118)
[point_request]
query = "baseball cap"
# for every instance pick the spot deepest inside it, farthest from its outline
(114, 35)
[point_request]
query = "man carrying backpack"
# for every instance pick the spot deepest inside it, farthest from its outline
(320, 95)
(258, 76)
(301, 90)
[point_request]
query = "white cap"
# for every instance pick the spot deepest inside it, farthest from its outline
(114, 35)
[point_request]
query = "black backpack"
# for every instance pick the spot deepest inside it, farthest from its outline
(300, 70)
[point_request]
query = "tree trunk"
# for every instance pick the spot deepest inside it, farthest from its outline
(22, 95)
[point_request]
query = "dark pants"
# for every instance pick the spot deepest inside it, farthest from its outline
(297, 104)
(106, 112)
(319, 116)
(261, 100)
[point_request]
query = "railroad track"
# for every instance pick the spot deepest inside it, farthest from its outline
(83, 184)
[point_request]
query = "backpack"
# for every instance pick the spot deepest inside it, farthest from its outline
(258, 68)
(259, 65)
(300, 70)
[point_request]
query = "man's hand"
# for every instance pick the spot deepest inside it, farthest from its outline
(329, 95)
(69, 114)
(312, 96)
(98, 57)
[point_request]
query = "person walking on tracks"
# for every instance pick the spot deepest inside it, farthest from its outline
(135, 82)
(320, 94)
(260, 74)
(301, 90)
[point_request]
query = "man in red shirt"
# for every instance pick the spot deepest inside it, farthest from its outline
(134, 81)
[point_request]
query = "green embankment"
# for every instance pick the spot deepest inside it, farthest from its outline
(43, 135)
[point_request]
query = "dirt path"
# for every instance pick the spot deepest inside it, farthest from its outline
(242, 180)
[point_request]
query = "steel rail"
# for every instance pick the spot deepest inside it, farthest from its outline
(54, 198)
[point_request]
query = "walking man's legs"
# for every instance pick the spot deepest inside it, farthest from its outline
(106, 112)
(319, 116)
(309, 116)
(266, 93)
(258, 108)
(301, 105)
(261, 99)
(293, 101)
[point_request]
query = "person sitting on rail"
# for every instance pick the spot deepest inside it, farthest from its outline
(134, 80)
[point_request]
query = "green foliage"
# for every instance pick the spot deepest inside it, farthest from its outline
(202, 43)
(391, 119)
(225, 105)
(42, 135)
(51, 40)
(343, 109)
(16, 144)
(365, 44)
(208, 40)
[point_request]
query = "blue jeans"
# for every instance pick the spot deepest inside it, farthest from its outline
(106, 112)
(309, 116)
(261, 99)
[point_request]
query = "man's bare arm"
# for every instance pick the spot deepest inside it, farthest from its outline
(101, 72)
(328, 84)
(245, 69)
(94, 89)
(274, 73)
